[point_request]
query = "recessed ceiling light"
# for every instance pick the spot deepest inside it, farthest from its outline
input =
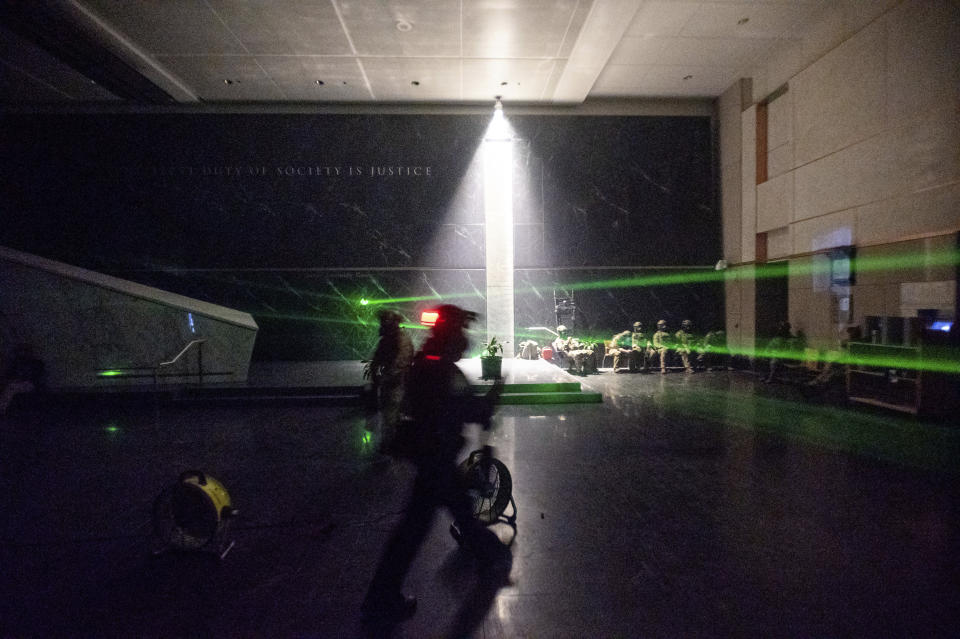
(320, 83)
(403, 25)
(504, 83)
(229, 81)
(743, 20)
(415, 83)
(688, 77)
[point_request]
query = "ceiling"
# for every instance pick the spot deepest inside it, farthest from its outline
(386, 51)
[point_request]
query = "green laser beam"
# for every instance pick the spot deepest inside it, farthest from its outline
(432, 297)
(791, 268)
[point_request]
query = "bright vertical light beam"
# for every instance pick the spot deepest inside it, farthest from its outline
(498, 228)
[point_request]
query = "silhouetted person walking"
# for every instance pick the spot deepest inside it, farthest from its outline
(441, 402)
(388, 376)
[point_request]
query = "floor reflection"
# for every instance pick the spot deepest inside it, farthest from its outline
(700, 505)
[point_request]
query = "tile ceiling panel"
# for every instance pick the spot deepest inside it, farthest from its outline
(573, 30)
(19, 87)
(298, 77)
(30, 74)
(663, 81)
(178, 27)
(662, 18)
(619, 80)
(208, 76)
(391, 79)
(705, 81)
(713, 52)
(525, 80)
(763, 20)
(284, 28)
(427, 28)
(456, 50)
(640, 50)
(515, 28)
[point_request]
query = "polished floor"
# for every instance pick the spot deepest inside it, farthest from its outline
(705, 505)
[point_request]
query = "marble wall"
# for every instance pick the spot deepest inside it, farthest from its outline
(296, 218)
(90, 329)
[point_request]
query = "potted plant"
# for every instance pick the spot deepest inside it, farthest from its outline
(491, 360)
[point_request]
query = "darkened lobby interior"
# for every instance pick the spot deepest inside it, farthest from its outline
(716, 244)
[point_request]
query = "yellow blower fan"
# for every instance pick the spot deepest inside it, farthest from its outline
(193, 514)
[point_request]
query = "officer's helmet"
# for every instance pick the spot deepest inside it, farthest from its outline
(662, 324)
(452, 319)
(637, 327)
(448, 337)
(686, 325)
(389, 321)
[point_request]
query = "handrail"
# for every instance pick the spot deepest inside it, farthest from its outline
(199, 344)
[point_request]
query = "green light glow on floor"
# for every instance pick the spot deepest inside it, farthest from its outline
(937, 361)
(111, 428)
(110, 373)
(904, 441)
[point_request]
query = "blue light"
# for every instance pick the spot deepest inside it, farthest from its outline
(193, 329)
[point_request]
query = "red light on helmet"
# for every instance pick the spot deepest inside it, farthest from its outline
(429, 318)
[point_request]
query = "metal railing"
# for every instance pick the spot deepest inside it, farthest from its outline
(199, 344)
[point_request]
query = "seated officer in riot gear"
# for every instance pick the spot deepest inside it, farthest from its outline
(560, 345)
(633, 344)
(620, 345)
(640, 344)
(684, 344)
(661, 344)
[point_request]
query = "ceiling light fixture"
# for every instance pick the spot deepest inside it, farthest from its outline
(229, 81)
(415, 83)
(319, 83)
(688, 77)
(743, 21)
(403, 25)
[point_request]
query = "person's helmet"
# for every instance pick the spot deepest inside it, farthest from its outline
(561, 329)
(386, 316)
(637, 326)
(448, 337)
(452, 318)
(662, 324)
(686, 325)
(389, 320)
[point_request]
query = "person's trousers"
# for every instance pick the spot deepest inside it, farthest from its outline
(437, 484)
